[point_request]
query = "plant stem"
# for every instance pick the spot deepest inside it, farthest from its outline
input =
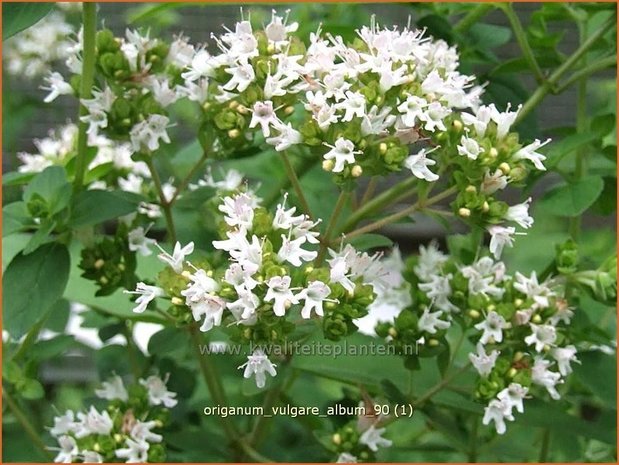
(521, 37)
(369, 191)
(543, 453)
(187, 179)
(401, 214)
(341, 201)
(89, 16)
(550, 84)
(585, 71)
(165, 205)
(213, 382)
(472, 17)
(473, 441)
(378, 202)
(581, 127)
(440, 386)
(25, 423)
(300, 170)
(296, 185)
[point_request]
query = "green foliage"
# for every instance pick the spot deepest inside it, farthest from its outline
(21, 15)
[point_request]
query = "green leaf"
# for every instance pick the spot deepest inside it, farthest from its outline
(370, 241)
(96, 206)
(50, 348)
(15, 178)
(15, 217)
(567, 145)
(52, 185)
(489, 36)
(591, 365)
(573, 199)
(31, 389)
(167, 340)
(42, 236)
(32, 284)
(19, 16)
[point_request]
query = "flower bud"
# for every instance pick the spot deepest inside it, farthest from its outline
(474, 314)
(382, 148)
(493, 152)
(356, 171)
(176, 301)
(99, 264)
(512, 372)
(457, 124)
(289, 110)
(393, 332)
(233, 104)
(505, 168)
(518, 302)
(485, 207)
(337, 439)
(471, 189)
(234, 133)
(537, 319)
(464, 212)
(433, 342)
(518, 356)
(242, 109)
(328, 165)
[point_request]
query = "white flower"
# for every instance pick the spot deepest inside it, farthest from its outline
(113, 389)
(147, 133)
(63, 424)
(345, 457)
(90, 456)
(292, 252)
(249, 254)
(419, 163)
(412, 109)
(530, 153)
(279, 291)
(200, 297)
(372, 437)
(353, 105)
(242, 76)
(433, 116)
(339, 273)
(500, 236)
(285, 219)
(68, 451)
(482, 361)
(151, 210)
(563, 356)
(513, 395)
(239, 210)
(263, 115)
(244, 308)
(542, 335)
(147, 295)
(287, 137)
(563, 314)
(141, 431)
(56, 86)
(469, 147)
(277, 30)
(314, 295)
(497, 411)
(135, 452)
(492, 328)
(177, 258)
(532, 289)
(429, 262)
(201, 66)
(540, 374)
(158, 393)
(520, 214)
(430, 322)
(343, 152)
(93, 422)
(162, 92)
(480, 120)
(503, 120)
(138, 242)
(257, 365)
(240, 276)
(438, 289)
(493, 182)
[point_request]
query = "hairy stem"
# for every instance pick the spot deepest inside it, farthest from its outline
(25, 423)
(401, 214)
(543, 453)
(296, 184)
(523, 42)
(472, 17)
(87, 78)
(377, 203)
(550, 84)
(341, 201)
(440, 386)
(187, 179)
(165, 205)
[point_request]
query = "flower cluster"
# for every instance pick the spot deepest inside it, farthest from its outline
(123, 432)
(519, 326)
(359, 439)
(269, 281)
(32, 52)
